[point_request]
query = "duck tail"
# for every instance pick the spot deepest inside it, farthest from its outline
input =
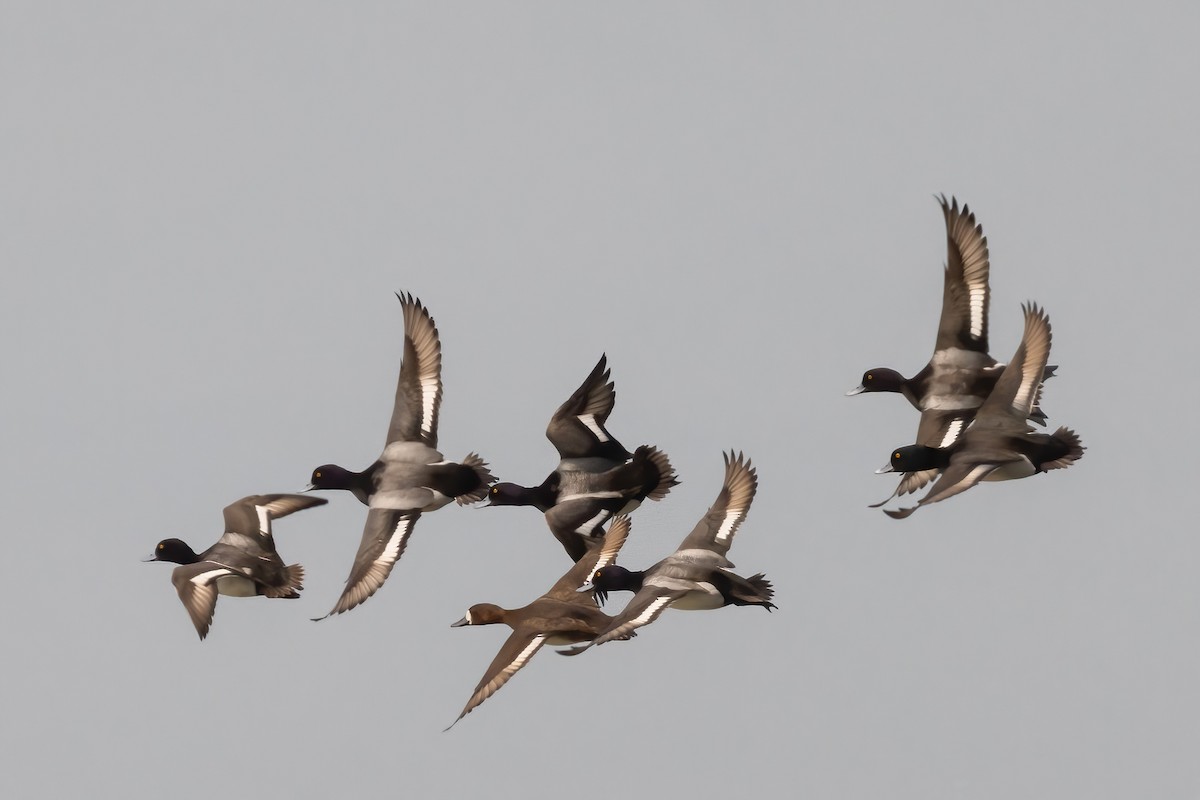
(659, 474)
(475, 462)
(763, 592)
(295, 582)
(1070, 447)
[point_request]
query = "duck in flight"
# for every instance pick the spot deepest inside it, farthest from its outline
(998, 444)
(410, 477)
(596, 477)
(243, 562)
(961, 373)
(561, 616)
(697, 576)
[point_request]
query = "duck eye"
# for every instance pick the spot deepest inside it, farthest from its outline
(896, 454)
(495, 490)
(870, 377)
(317, 474)
(161, 546)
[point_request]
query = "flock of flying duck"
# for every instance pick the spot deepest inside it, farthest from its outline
(973, 426)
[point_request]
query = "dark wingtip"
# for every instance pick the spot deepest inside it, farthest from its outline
(902, 513)
(574, 651)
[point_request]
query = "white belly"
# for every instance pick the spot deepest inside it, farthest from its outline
(1010, 472)
(236, 586)
(703, 598)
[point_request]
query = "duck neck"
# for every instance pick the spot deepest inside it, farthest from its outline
(540, 497)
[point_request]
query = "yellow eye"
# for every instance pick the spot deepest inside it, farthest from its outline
(495, 490)
(317, 474)
(870, 377)
(161, 546)
(895, 455)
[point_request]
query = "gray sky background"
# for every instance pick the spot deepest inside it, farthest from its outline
(207, 210)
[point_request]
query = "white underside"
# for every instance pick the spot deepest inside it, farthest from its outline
(1010, 472)
(704, 598)
(236, 586)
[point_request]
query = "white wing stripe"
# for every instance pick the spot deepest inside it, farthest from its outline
(729, 526)
(525, 654)
(204, 577)
(264, 519)
(977, 304)
(952, 432)
(651, 611)
(588, 496)
(590, 421)
(391, 550)
(429, 390)
(586, 527)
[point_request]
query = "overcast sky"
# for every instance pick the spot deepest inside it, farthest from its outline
(207, 208)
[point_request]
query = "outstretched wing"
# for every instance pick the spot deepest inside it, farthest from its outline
(197, 588)
(645, 607)
(248, 522)
(419, 387)
(1019, 387)
(956, 479)
(597, 557)
(716, 529)
(384, 538)
(965, 292)
(516, 652)
(938, 428)
(577, 428)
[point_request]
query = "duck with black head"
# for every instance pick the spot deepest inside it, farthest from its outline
(410, 477)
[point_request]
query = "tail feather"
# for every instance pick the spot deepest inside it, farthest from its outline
(295, 583)
(763, 590)
(660, 475)
(1070, 442)
(475, 462)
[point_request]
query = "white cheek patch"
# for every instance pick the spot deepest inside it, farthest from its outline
(467, 617)
(589, 420)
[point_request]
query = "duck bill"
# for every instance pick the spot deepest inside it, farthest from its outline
(886, 468)
(856, 390)
(460, 623)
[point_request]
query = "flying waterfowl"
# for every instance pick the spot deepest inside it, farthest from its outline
(697, 575)
(998, 444)
(561, 616)
(411, 476)
(243, 562)
(961, 374)
(596, 477)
